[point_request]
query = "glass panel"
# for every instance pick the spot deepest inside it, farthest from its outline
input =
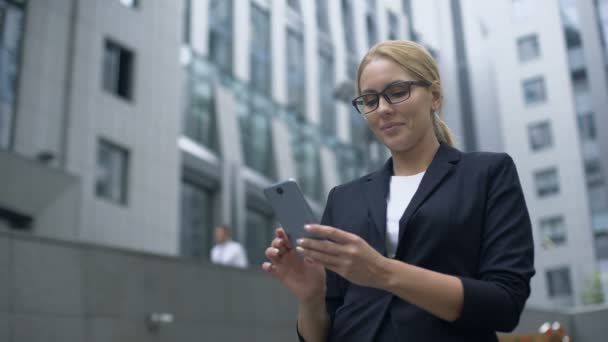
(547, 182)
(559, 282)
(553, 231)
(261, 70)
(534, 90)
(393, 26)
(326, 89)
(294, 4)
(349, 26)
(296, 74)
(322, 16)
(11, 30)
(196, 232)
(112, 170)
(255, 122)
(540, 136)
(586, 126)
(220, 34)
(372, 35)
(528, 48)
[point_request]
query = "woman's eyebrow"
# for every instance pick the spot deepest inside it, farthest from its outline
(373, 91)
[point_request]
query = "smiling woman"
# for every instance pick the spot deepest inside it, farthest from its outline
(434, 246)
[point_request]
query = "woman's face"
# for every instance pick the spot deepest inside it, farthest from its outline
(403, 125)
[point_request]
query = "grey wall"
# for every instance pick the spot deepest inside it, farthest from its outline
(58, 291)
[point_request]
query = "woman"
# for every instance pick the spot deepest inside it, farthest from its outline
(435, 246)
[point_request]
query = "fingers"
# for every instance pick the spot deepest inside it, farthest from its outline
(330, 233)
(327, 260)
(281, 234)
(323, 246)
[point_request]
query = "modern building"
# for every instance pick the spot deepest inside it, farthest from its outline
(141, 125)
(551, 88)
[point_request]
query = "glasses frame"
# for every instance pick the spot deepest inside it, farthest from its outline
(410, 84)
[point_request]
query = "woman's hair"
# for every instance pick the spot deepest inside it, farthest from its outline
(417, 62)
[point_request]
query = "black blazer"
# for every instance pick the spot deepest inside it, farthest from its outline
(468, 218)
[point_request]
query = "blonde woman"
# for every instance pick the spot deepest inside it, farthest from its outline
(434, 246)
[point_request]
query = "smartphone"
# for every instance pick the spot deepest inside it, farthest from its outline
(291, 209)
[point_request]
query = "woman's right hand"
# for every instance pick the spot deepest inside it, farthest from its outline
(303, 277)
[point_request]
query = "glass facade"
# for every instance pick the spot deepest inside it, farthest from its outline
(199, 112)
(326, 92)
(322, 12)
(112, 172)
(553, 231)
(559, 284)
(261, 70)
(534, 90)
(255, 122)
(260, 231)
(221, 34)
(296, 74)
(528, 48)
(393, 25)
(547, 182)
(11, 31)
(306, 145)
(118, 70)
(540, 136)
(196, 230)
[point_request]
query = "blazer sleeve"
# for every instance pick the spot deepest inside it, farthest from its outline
(334, 284)
(495, 297)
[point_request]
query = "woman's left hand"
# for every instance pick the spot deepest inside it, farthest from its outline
(346, 254)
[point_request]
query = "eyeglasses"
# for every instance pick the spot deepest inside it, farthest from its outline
(394, 93)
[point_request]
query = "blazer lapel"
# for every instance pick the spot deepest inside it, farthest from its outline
(376, 192)
(441, 165)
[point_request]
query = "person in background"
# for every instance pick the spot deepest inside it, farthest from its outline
(227, 251)
(434, 246)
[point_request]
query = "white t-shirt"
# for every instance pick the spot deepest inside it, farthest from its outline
(229, 253)
(400, 195)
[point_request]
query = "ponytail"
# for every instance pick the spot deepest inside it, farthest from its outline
(442, 131)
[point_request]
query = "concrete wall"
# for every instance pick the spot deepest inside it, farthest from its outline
(58, 291)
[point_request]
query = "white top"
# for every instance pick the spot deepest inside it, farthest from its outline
(400, 195)
(229, 253)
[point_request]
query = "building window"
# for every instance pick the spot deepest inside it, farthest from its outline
(130, 3)
(112, 172)
(296, 74)
(534, 90)
(261, 71)
(118, 70)
(528, 48)
(326, 89)
(372, 35)
(322, 16)
(553, 231)
(294, 5)
(559, 283)
(586, 126)
(393, 26)
(220, 34)
(196, 230)
(547, 182)
(199, 112)
(11, 31)
(540, 136)
(255, 123)
(260, 232)
(349, 26)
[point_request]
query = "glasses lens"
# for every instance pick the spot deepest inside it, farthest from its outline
(398, 92)
(366, 103)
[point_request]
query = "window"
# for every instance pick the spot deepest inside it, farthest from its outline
(260, 51)
(260, 232)
(349, 26)
(534, 90)
(112, 172)
(547, 182)
(322, 16)
(586, 126)
(540, 136)
(296, 74)
(553, 231)
(308, 164)
(372, 35)
(393, 26)
(130, 3)
(598, 198)
(558, 282)
(326, 89)
(220, 34)
(118, 70)
(199, 112)
(528, 48)
(255, 123)
(294, 5)
(196, 230)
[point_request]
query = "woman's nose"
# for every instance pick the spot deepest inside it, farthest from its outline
(384, 107)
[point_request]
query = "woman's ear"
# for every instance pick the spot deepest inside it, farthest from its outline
(437, 93)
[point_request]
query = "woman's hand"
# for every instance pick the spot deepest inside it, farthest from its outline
(345, 254)
(303, 277)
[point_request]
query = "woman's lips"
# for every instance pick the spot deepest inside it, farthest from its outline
(391, 127)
